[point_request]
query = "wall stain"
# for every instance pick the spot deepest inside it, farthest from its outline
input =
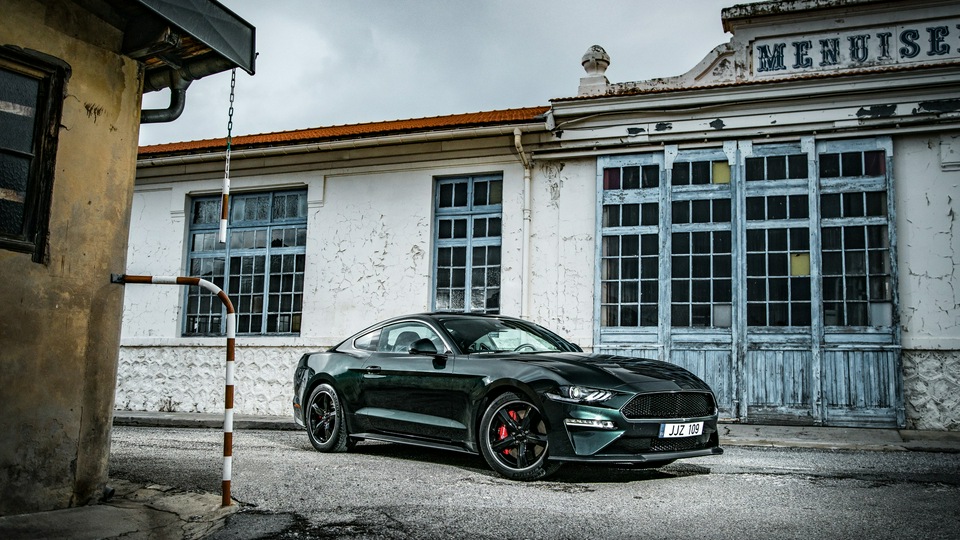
(93, 111)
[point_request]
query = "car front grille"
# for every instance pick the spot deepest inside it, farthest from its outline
(669, 405)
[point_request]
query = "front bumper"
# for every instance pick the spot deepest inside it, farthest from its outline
(604, 435)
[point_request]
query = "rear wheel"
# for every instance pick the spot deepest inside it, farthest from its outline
(325, 425)
(513, 439)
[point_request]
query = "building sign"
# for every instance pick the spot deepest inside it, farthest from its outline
(897, 45)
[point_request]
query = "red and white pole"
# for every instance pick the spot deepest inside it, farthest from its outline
(231, 345)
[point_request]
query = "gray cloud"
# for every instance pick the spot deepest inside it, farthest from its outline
(328, 62)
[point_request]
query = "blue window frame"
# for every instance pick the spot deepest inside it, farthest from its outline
(261, 265)
(467, 240)
(762, 236)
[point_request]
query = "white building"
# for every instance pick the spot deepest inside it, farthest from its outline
(780, 220)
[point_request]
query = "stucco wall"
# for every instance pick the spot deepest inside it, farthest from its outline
(927, 199)
(60, 330)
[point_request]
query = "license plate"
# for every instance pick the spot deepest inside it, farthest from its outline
(691, 429)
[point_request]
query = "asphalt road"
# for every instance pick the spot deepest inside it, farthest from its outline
(288, 490)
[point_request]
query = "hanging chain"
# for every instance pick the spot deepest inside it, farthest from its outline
(225, 199)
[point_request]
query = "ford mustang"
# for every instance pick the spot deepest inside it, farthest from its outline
(524, 398)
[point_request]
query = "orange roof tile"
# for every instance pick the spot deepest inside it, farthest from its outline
(350, 131)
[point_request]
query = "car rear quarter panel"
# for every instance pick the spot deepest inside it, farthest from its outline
(337, 369)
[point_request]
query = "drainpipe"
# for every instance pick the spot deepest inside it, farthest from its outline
(525, 246)
(178, 80)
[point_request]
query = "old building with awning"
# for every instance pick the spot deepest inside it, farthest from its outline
(72, 75)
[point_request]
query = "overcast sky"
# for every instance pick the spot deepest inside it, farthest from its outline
(333, 62)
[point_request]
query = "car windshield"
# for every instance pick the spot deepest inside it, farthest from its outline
(482, 335)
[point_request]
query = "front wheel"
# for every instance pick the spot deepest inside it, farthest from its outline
(324, 419)
(513, 439)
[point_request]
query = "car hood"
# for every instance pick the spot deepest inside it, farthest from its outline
(617, 372)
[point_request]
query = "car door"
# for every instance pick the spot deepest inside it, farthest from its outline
(412, 394)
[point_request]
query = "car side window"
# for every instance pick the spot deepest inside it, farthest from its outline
(399, 337)
(368, 342)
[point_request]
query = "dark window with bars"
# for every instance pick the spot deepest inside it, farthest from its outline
(778, 277)
(855, 245)
(629, 265)
(701, 266)
(261, 266)
(694, 173)
(468, 236)
(701, 284)
(629, 286)
(780, 167)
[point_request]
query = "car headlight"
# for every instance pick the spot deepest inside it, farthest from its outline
(581, 394)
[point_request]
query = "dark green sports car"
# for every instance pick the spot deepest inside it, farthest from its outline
(523, 397)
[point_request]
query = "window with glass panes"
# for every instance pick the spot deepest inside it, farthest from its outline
(855, 246)
(772, 232)
(467, 243)
(31, 95)
(260, 266)
(630, 247)
(778, 236)
(700, 241)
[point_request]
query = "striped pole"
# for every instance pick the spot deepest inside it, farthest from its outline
(231, 345)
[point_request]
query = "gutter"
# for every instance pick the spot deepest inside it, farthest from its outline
(279, 151)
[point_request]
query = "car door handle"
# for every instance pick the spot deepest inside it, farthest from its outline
(372, 371)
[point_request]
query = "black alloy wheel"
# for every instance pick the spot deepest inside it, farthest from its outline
(324, 416)
(513, 439)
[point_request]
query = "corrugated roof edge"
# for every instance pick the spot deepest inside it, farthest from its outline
(351, 131)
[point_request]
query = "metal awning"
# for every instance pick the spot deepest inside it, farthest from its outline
(211, 24)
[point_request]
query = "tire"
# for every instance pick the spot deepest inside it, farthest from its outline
(513, 439)
(324, 419)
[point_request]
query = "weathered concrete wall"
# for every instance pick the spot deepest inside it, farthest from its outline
(928, 202)
(60, 329)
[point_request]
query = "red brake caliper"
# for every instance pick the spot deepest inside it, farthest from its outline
(502, 431)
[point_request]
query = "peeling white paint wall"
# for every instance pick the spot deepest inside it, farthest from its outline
(369, 257)
(155, 248)
(563, 258)
(928, 233)
(928, 236)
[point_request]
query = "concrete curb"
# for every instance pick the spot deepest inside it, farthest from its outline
(200, 420)
(731, 434)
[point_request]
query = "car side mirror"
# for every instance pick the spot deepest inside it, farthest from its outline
(423, 346)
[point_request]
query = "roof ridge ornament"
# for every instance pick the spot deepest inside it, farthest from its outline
(595, 62)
